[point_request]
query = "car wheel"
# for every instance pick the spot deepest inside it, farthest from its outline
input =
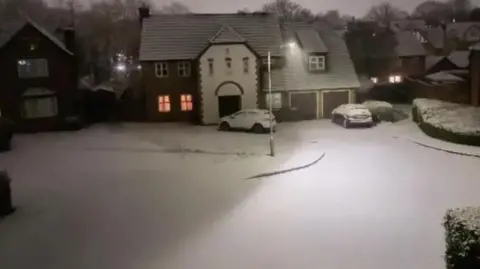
(224, 126)
(258, 128)
(345, 123)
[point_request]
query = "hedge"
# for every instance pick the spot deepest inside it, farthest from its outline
(439, 133)
(462, 238)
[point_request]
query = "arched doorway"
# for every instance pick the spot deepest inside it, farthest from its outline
(229, 94)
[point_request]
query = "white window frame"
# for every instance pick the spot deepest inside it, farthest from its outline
(32, 68)
(276, 101)
(246, 65)
(184, 69)
(161, 69)
(210, 66)
(316, 62)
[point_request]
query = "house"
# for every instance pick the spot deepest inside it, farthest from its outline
(39, 75)
(317, 76)
(456, 61)
(462, 35)
(475, 75)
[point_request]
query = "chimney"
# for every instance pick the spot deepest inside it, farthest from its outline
(69, 38)
(143, 12)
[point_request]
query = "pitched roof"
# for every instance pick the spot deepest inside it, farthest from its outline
(435, 36)
(460, 58)
(431, 61)
(311, 41)
(444, 76)
(407, 25)
(295, 76)
(408, 45)
(460, 28)
(185, 36)
(10, 28)
(227, 35)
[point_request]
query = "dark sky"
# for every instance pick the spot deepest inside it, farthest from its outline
(352, 7)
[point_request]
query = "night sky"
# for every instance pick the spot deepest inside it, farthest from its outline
(351, 7)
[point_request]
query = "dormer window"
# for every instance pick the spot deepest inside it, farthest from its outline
(419, 37)
(316, 63)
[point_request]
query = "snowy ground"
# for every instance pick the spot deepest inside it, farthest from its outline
(132, 196)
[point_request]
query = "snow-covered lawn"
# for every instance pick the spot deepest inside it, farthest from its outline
(117, 198)
(457, 118)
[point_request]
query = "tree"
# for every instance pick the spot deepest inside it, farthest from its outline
(288, 10)
(475, 14)
(433, 12)
(334, 19)
(175, 8)
(461, 9)
(385, 13)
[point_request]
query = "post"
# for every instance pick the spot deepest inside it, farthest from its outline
(272, 146)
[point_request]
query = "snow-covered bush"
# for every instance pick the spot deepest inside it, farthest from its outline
(384, 111)
(453, 122)
(462, 236)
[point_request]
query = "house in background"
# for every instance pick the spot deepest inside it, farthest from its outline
(39, 75)
(317, 76)
(216, 64)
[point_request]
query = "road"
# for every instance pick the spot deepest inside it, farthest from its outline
(92, 200)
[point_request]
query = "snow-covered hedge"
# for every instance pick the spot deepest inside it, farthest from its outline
(383, 111)
(452, 122)
(462, 236)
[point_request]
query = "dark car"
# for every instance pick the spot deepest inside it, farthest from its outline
(6, 133)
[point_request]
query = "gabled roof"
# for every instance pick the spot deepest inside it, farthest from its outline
(408, 45)
(459, 29)
(226, 35)
(311, 41)
(185, 36)
(435, 36)
(431, 61)
(444, 76)
(10, 28)
(294, 76)
(460, 58)
(407, 25)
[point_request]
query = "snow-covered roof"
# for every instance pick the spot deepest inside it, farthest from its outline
(431, 61)
(460, 58)
(408, 45)
(444, 76)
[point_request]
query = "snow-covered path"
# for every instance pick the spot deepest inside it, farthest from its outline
(372, 202)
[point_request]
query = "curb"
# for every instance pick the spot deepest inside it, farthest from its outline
(274, 173)
(444, 150)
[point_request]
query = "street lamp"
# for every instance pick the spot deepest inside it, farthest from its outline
(290, 45)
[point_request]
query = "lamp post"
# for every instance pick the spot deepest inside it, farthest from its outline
(290, 45)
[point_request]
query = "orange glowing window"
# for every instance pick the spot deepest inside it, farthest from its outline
(186, 103)
(164, 103)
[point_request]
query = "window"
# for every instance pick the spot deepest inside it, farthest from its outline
(228, 62)
(276, 100)
(39, 103)
(316, 62)
(374, 80)
(32, 68)
(186, 103)
(164, 103)
(265, 61)
(419, 37)
(210, 66)
(395, 79)
(161, 70)
(184, 69)
(246, 65)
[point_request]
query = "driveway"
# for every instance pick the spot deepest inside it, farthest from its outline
(115, 198)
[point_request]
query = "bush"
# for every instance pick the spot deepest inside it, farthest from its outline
(73, 123)
(423, 117)
(462, 236)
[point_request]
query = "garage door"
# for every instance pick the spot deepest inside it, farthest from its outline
(331, 100)
(304, 105)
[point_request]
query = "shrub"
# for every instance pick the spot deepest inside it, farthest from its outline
(462, 236)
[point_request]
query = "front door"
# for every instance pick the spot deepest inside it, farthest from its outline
(228, 105)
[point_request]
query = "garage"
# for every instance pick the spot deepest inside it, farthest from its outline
(303, 105)
(332, 99)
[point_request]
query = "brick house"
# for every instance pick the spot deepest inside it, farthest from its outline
(39, 75)
(216, 64)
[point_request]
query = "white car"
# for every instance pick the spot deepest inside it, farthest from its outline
(352, 115)
(256, 120)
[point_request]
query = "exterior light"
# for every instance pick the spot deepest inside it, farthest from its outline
(120, 67)
(139, 67)
(292, 45)
(374, 80)
(22, 62)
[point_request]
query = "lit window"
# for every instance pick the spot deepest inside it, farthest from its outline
(161, 69)
(374, 80)
(184, 69)
(163, 103)
(186, 103)
(398, 79)
(39, 103)
(32, 68)
(246, 65)
(276, 100)
(391, 79)
(395, 79)
(210, 66)
(316, 62)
